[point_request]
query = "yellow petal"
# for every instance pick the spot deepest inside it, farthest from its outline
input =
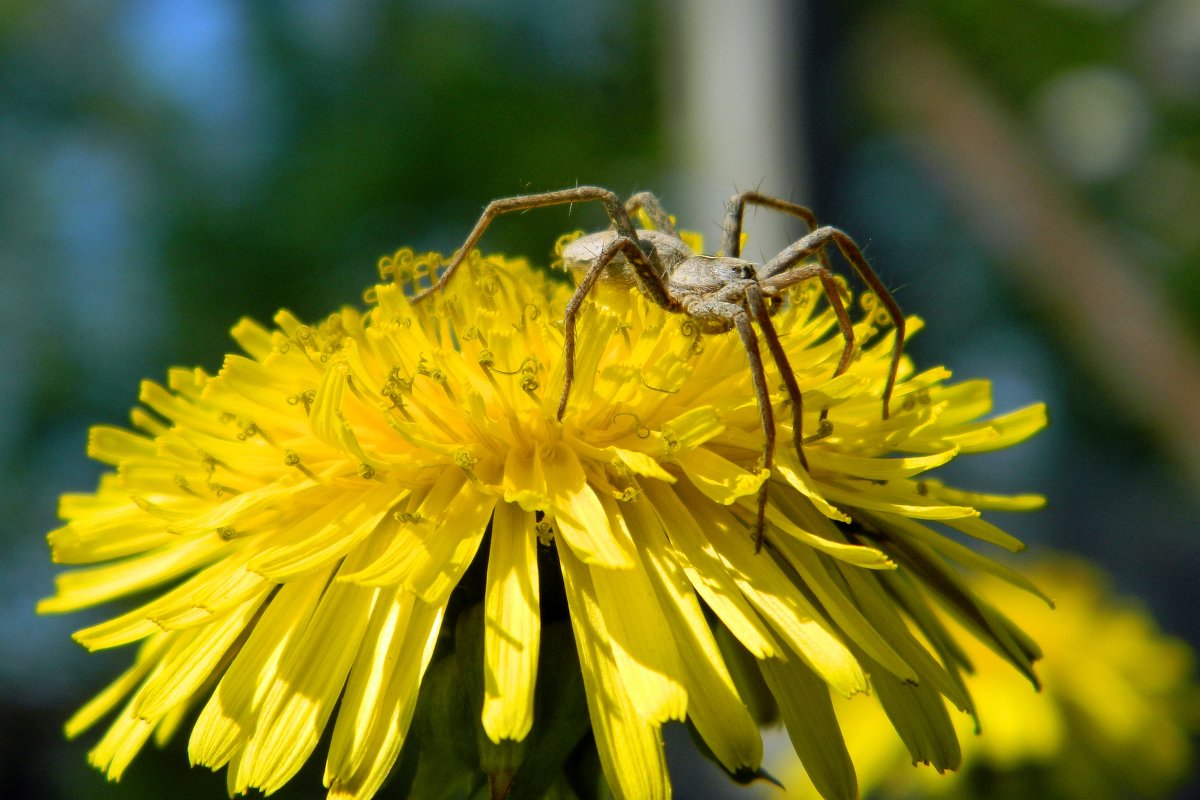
(894, 499)
(308, 682)
(229, 717)
(200, 599)
(701, 563)
(998, 432)
(324, 535)
(181, 411)
(100, 530)
(253, 338)
(192, 659)
(779, 601)
(962, 554)
(328, 421)
(642, 639)
(381, 695)
(525, 479)
(713, 704)
(87, 587)
(979, 500)
(512, 625)
(875, 469)
(120, 743)
(579, 516)
(788, 512)
(116, 445)
(231, 512)
(641, 464)
(720, 479)
(147, 657)
(881, 607)
(920, 717)
(789, 467)
(630, 746)
(691, 429)
(841, 608)
(412, 522)
(438, 564)
(985, 531)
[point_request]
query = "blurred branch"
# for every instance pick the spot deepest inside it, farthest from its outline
(1106, 302)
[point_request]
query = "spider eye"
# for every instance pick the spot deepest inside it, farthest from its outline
(747, 272)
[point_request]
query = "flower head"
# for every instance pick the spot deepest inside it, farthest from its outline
(1118, 706)
(305, 517)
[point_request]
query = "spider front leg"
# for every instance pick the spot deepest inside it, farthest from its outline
(646, 201)
(628, 247)
(832, 294)
(731, 244)
(815, 243)
(580, 194)
(731, 312)
(757, 306)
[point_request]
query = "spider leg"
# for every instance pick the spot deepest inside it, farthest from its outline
(731, 243)
(580, 194)
(653, 207)
(758, 309)
(815, 242)
(622, 244)
(759, 378)
(832, 294)
(762, 315)
(727, 312)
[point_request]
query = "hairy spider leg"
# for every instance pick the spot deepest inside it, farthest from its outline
(646, 273)
(816, 242)
(648, 202)
(580, 194)
(832, 294)
(758, 377)
(731, 244)
(757, 307)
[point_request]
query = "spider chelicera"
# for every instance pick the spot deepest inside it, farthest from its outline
(719, 293)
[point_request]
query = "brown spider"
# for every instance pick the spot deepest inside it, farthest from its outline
(720, 293)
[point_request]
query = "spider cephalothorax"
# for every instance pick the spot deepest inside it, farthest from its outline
(720, 293)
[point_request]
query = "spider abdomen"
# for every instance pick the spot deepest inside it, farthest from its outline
(581, 254)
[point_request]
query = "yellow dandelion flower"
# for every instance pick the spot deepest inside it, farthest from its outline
(1118, 706)
(301, 522)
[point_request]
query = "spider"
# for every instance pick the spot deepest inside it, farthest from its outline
(719, 293)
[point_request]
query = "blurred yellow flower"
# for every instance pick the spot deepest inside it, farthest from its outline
(303, 518)
(1114, 718)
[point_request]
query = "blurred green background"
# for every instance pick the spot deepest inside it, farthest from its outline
(1025, 174)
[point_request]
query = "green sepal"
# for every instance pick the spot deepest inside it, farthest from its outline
(455, 758)
(743, 775)
(560, 720)
(498, 760)
(747, 679)
(812, 726)
(919, 715)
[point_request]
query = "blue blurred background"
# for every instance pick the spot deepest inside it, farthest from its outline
(1025, 174)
